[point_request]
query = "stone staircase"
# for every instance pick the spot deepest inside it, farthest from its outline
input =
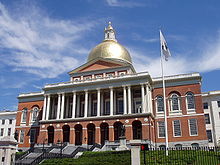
(38, 154)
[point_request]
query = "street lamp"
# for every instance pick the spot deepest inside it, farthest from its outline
(85, 143)
(61, 146)
(43, 144)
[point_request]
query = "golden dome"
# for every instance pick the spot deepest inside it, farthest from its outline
(110, 48)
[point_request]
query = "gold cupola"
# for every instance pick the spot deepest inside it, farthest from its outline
(109, 48)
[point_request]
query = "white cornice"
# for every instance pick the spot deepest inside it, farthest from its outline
(211, 93)
(176, 77)
(32, 94)
(95, 80)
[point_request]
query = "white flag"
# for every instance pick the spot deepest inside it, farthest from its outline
(164, 48)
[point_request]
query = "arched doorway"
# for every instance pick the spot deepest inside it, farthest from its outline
(117, 130)
(78, 134)
(66, 133)
(50, 133)
(137, 129)
(104, 132)
(91, 134)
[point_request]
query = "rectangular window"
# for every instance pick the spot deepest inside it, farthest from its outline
(205, 106)
(207, 119)
(2, 132)
(94, 108)
(22, 136)
(10, 121)
(193, 127)
(177, 128)
(209, 135)
(219, 115)
(138, 105)
(120, 107)
(3, 122)
(107, 108)
(218, 102)
(9, 131)
(161, 129)
(32, 136)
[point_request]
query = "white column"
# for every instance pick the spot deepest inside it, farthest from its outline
(125, 100)
(111, 101)
(48, 107)
(86, 104)
(98, 101)
(62, 105)
(74, 105)
(147, 99)
(44, 108)
(129, 99)
(143, 100)
(58, 106)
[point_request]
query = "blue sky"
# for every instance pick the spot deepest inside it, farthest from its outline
(41, 40)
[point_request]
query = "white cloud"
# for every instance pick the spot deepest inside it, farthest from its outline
(123, 3)
(33, 42)
(208, 59)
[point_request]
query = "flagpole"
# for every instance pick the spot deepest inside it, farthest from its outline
(164, 100)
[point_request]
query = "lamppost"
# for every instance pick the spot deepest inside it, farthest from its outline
(61, 147)
(85, 143)
(44, 144)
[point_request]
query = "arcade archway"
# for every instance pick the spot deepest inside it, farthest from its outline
(104, 128)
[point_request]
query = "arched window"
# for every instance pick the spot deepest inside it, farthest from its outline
(190, 100)
(35, 114)
(174, 102)
(160, 105)
(24, 115)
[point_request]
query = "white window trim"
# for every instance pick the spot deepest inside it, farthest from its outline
(22, 113)
(190, 110)
(31, 114)
(161, 112)
(174, 112)
(190, 128)
(122, 73)
(158, 130)
(20, 137)
(174, 129)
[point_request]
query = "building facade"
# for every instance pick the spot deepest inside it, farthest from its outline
(211, 106)
(7, 123)
(106, 94)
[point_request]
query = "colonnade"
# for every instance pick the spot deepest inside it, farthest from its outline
(128, 102)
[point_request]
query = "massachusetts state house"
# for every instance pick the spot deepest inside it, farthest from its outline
(105, 95)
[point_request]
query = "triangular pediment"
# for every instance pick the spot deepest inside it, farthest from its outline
(99, 64)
